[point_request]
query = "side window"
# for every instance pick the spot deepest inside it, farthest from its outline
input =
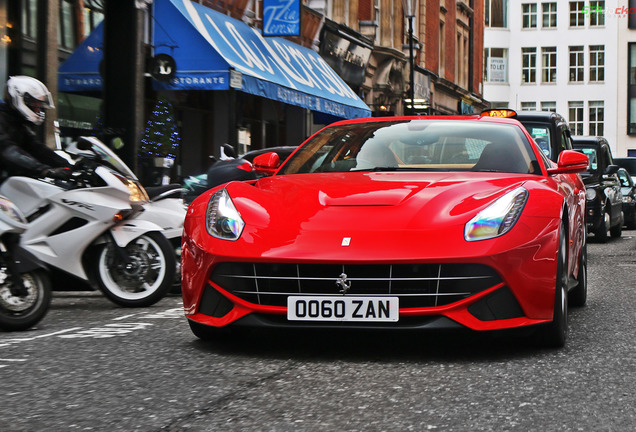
(566, 143)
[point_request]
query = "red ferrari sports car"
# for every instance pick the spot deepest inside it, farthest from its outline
(394, 223)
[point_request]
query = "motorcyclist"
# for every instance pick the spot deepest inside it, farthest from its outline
(21, 153)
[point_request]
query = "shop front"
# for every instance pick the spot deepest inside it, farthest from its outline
(227, 82)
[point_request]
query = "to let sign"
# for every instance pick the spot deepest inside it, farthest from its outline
(281, 17)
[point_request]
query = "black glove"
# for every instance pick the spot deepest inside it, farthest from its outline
(57, 173)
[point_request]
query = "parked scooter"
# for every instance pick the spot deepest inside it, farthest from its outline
(25, 288)
(95, 226)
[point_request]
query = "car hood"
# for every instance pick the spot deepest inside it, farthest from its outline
(298, 215)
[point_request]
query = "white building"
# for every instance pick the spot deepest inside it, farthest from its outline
(555, 56)
(626, 80)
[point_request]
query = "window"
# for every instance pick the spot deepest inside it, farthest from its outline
(577, 66)
(597, 62)
(29, 18)
(92, 17)
(529, 15)
(631, 20)
(631, 92)
(597, 13)
(549, 15)
(548, 106)
(577, 17)
(597, 114)
(548, 64)
(461, 58)
(529, 65)
(576, 117)
(442, 49)
(66, 27)
(496, 61)
(496, 14)
(528, 106)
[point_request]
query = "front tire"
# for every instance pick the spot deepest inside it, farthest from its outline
(617, 229)
(555, 334)
(145, 279)
(578, 296)
(23, 312)
(601, 233)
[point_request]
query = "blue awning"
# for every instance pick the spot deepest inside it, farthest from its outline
(210, 47)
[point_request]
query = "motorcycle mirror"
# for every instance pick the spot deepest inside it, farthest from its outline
(228, 150)
(84, 144)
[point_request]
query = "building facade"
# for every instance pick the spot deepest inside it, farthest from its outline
(626, 70)
(555, 56)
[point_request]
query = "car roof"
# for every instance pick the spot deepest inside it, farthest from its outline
(589, 140)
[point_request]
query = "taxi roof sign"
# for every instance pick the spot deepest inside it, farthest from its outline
(498, 113)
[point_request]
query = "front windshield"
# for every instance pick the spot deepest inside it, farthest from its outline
(541, 135)
(416, 145)
(592, 155)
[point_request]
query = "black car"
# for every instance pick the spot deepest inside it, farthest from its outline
(548, 129)
(629, 163)
(628, 188)
(604, 203)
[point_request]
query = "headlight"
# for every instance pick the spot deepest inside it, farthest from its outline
(222, 219)
(498, 218)
(137, 192)
(7, 207)
(627, 199)
(590, 194)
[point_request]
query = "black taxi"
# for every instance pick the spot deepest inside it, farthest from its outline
(604, 199)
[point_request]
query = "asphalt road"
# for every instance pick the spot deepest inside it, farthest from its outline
(92, 366)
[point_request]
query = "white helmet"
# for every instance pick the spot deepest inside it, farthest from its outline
(29, 97)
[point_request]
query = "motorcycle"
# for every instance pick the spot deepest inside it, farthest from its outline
(100, 226)
(25, 288)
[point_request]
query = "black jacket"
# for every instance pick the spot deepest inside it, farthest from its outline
(20, 151)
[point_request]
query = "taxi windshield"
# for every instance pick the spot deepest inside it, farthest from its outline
(541, 135)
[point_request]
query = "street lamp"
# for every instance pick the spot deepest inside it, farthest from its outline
(408, 7)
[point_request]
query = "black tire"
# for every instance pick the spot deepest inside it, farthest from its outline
(617, 229)
(601, 233)
(22, 313)
(631, 222)
(555, 333)
(578, 296)
(209, 333)
(147, 279)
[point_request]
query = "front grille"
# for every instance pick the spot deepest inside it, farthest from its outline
(417, 285)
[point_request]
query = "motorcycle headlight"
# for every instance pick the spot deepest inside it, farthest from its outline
(137, 192)
(222, 220)
(498, 218)
(590, 194)
(7, 207)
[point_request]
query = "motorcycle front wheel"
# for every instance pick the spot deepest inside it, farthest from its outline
(21, 312)
(142, 279)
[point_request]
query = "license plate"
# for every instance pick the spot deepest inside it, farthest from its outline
(342, 308)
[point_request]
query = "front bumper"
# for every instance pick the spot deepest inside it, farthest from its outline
(520, 292)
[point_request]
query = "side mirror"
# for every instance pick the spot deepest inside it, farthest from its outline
(267, 163)
(611, 169)
(228, 151)
(570, 162)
